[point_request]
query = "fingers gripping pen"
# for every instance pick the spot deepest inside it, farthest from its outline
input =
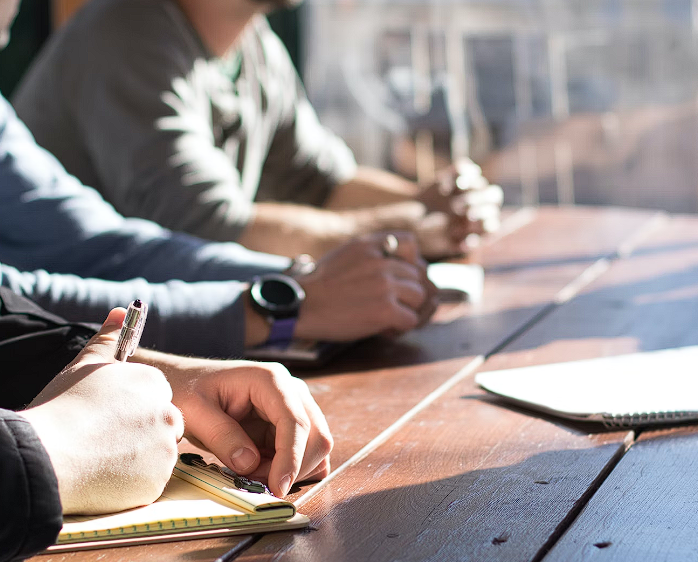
(131, 330)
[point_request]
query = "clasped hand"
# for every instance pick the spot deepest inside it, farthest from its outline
(356, 291)
(461, 205)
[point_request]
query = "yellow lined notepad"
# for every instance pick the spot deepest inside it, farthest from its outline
(186, 505)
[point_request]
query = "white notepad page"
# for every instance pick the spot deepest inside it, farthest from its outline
(647, 383)
(458, 281)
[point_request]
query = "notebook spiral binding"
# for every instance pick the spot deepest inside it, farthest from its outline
(612, 421)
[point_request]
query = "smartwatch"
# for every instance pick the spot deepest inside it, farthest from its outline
(278, 298)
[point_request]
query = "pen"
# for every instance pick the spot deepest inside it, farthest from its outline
(131, 330)
(238, 548)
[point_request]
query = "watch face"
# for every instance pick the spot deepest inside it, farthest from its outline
(277, 294)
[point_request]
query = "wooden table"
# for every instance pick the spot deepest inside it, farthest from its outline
(428, 468)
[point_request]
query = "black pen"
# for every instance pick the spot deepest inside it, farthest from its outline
(239, 548)
(131, 330)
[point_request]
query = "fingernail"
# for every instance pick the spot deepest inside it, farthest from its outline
(111, 320)
(285, 484)
(243, 459)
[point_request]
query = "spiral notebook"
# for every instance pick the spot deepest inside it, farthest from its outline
(200, 501)
(635, 390)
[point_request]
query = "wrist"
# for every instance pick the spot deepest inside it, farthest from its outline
(276, 298)
(257, 327)
(395, 216)
(334, 229)
(44, 425)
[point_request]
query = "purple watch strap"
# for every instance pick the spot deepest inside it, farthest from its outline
(282, 330)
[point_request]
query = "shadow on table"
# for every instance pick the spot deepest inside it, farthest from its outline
(504, 513)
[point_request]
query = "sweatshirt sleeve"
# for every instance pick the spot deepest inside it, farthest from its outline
(30, 506)
(49, 220)
(204, 319)
(305, 160)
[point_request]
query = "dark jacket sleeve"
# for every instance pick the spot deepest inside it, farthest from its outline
(30, 507)
(35, 345)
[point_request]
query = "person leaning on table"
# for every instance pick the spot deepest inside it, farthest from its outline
(191, 114)
(101, 436)
(199, 295)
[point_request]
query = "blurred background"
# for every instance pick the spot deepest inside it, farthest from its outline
(560, 101)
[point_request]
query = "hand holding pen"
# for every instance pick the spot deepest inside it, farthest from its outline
(98, 413)
(131, 330)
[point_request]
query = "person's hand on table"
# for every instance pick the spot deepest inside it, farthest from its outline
(460, 203)
(258, 419)
(109, 428)
(358, 291)
(255, 417)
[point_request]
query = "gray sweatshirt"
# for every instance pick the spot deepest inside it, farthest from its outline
(127, 97)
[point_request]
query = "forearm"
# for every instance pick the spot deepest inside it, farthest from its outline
(289, 229)
(120, 249)
(296, 229)
(205, 319)
(371, 187)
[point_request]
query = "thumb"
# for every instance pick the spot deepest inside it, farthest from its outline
(407, 248)
(102, 347)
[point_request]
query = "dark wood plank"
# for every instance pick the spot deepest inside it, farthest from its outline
(645, 510)
(642, 303)
(524, 273)
(465, 479)
(383, 380)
